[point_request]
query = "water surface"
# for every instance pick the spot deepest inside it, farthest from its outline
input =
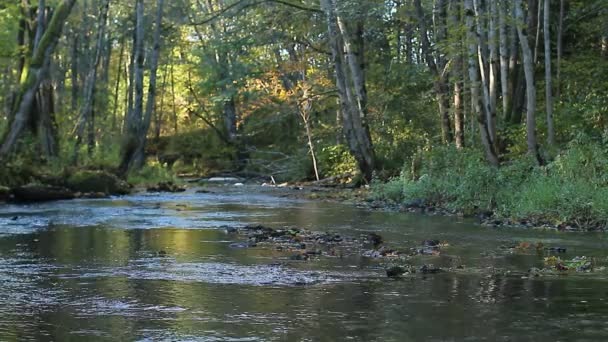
(152, 267)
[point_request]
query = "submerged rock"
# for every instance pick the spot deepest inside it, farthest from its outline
(166, 187)
(248, 244)
(395, 271)
(97, 182)
(429, 269)
(41, 193)
(430, 243)
(375, 239)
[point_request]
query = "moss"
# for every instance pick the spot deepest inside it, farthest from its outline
(97, 181)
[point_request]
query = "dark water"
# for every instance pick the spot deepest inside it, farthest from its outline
(91, 270)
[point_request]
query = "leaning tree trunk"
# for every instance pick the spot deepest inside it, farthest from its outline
(528, 64)
(37, 72)
(473, 41)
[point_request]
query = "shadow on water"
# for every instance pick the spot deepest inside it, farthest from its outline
(161, 267)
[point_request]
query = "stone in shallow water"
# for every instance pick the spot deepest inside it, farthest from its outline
(41, 193)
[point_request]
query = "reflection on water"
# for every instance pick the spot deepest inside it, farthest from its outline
(160, 267)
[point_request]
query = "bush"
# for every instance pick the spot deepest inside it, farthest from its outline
(572, 189)
(335, 160)
(152, 174)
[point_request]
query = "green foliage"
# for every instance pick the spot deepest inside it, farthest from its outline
(201, 152)
(97, 181)
(572, 189)
(335, 160)
(152, 174)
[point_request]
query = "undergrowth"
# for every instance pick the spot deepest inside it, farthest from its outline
(571, 189)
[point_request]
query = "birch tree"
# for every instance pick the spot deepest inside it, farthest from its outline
(528, 65)
(548, 75)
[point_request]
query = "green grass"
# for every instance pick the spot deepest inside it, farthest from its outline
(572, 189)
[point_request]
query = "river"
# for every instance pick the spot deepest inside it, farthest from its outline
(150, 267)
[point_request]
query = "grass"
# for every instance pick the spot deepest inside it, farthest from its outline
(572, 189)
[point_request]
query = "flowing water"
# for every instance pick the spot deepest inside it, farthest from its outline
(153, 267)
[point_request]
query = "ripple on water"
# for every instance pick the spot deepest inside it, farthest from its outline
(211, 272)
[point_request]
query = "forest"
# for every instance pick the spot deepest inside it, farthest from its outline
(495, 108)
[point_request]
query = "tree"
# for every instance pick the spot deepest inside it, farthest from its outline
(481, 110)
(86, 111)
(138, 121)
(36, 73)
(350, 81)
(528, 65)
(548, 75)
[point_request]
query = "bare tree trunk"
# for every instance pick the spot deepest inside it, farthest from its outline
(514, 71)
(528, 64)
(74, 72)
(485, 75)
(86, 112)
(494, 61)
(117, 86)
(134, 116)
(504, 56)
(138, 158)
(537, 37)
(437, 65)
(304, 109)
(560, 32)
(457, 76)
(159, 111)
(173, 103)
(473, 42)
(353, 106)
(548, 76)
(37, 72)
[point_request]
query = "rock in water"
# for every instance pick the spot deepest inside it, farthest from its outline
(395, 271)
(41, 193)
(166, 187)
(429, 269)
(375, 239)
(97, 182)
(430, 243)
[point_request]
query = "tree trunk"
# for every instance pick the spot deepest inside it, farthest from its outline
(504, 56)
(528, 64)
(473, 42)
(352, 109)
(560, 32)
(117, 86)
(514, 78)
(485, 72)
(137, 158)
(436, 65)
(86, 112)
(134, 116)
(457, 76)
(494, 61)
(36, 74)
(548, 75)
